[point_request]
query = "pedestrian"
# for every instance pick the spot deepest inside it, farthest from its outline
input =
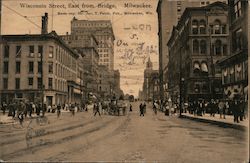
(144, 107)
(59, 110)
(4, 107)
(234, 107)
(130, 108)
(154, 108)
(221, 107)
(241, 110)
(141, 109)
(96, 108)
(72, 109)
(29, 109)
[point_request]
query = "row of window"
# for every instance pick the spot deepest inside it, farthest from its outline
(103, 55)
(91, 24)
(200, 47)
(30, 83)
(61, 54)
(59, 84)
(200, 27)
(18, 51)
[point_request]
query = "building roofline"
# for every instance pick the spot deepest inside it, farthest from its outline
(41, 37)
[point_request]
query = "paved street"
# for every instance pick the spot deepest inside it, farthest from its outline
(124, 138)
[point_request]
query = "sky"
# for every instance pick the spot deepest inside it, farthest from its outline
(136, 36)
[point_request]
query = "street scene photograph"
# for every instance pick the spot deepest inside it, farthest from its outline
(124, 81)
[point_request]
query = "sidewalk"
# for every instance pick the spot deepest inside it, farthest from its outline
(226, 123)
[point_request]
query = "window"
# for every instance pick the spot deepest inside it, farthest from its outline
(18, 51)
(224, 29)
(218, 47)
(237, 40)
(39, 83)
(179, 8)
(202, 27)
(6, 51)
(203, 47)
(51, 51)
(195, 27)
(18, 67)
(31, 67)
(40, 50)
(50, 83)
(39, 67)
(17, 83)
(224, 49)
(237, 9)
(5, 67)
(5, 83)
(195, 46)
(217, 27)
(50, 67)
(30, 81)
(31, 51)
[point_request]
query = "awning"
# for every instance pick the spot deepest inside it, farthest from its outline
(204, 67)
(197, 66)
(225, 72)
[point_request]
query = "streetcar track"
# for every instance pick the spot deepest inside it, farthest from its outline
(35, 148)
(48, 132)
(89, 144)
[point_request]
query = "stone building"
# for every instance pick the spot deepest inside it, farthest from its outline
(197, 43)
(32, 66)
(169, 13)
(103, 32)
(151, 90)
(235, 67)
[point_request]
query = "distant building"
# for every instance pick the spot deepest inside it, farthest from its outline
(103, 32)
(198, 41)
(235, 67)
(29, 63)
(151, 83)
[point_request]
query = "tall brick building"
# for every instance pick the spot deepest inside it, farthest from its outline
(196, 44)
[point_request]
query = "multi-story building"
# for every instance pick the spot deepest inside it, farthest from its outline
(87, 45)
(169, 13)
(198, 41)
(235, 67)
(104, 82)
(37, 66)
(151, 83)
(103, 31)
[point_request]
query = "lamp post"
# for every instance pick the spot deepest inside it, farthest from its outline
(182, 80)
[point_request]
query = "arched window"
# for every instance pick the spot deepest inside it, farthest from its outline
(218, 45)
(195, 46)
(196, 67)
(217, 27)
(202, 27)
(195, 27)
(203, 47)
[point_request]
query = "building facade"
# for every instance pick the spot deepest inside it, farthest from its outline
(36, 67)
(235, 67)
(151, 84)
(169, 13)
(103, 31)
(197, 43)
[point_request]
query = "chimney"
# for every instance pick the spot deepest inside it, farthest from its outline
(45, 24)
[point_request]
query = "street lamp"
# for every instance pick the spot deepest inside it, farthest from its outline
(182, 80)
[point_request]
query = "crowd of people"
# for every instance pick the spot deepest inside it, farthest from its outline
(237, 108)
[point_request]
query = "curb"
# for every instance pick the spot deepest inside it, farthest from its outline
(218, 123)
